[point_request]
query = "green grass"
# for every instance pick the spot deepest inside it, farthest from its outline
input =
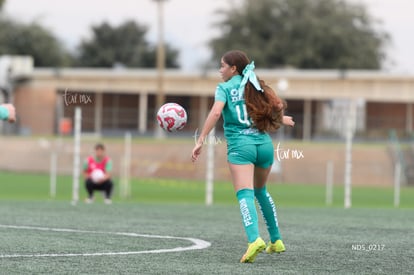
(319, 239)
(36, 187)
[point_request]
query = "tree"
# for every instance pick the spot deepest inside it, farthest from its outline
(125, 45)
(317, 34)
(31, 39)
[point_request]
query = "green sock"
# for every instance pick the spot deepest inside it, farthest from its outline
(268, 209)
(248, 213)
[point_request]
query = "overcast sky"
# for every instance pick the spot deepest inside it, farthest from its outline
(188, 23)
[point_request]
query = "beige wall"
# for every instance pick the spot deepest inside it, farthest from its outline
(36, 109)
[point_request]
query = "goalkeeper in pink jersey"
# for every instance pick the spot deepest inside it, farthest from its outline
(97, 173)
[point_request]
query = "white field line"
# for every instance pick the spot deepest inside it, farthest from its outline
(197, 243)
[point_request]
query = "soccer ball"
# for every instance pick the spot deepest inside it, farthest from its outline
(172, 117)
(97, 175)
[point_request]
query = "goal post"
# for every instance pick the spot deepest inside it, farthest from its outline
(125, 190)
(76, 155)
(397, 183)
(210, 168)
(53, 174)
(349, 136)
(329, 183)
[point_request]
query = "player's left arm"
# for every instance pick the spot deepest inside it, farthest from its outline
(209, 124)
(288, 121)
(108, 170)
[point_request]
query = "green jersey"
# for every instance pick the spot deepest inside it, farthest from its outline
(238, 126)
(4, 113)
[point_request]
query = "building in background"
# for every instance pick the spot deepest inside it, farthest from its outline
(115, 101)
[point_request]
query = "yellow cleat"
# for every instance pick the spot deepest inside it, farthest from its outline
(277, 247)
(252, 250)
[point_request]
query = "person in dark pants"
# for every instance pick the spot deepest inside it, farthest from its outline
(96, 171)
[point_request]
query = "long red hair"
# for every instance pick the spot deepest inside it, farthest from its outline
(265, 108)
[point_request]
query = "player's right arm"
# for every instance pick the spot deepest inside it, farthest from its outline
(8, 112)
(108, 170)
(209, 124)
(220, 99)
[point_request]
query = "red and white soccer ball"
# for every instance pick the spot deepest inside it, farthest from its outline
(97, 175)
(172, 117)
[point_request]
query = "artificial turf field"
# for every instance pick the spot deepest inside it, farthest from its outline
(370, 238)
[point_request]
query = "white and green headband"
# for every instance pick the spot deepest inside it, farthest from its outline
(249, 75)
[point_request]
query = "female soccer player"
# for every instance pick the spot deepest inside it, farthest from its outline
(250, 110)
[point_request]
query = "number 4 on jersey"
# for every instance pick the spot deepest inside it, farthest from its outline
(245, 119)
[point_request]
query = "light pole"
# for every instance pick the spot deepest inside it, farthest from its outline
(160, 98)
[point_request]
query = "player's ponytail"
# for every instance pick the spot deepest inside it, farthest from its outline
(263, 105)
(265, 108)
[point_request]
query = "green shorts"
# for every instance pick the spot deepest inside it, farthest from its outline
(261, 155)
